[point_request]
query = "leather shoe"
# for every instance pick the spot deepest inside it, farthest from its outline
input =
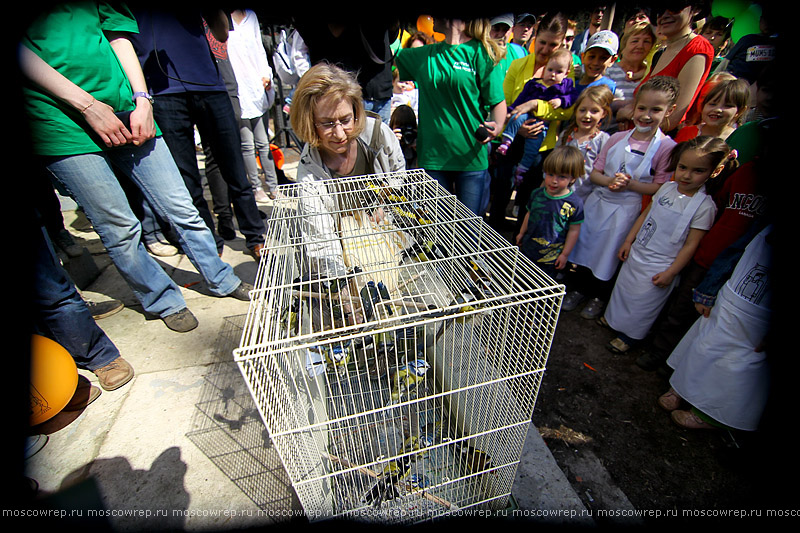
(242, 292)
(257, 251)
(115, 374)
(182, 321)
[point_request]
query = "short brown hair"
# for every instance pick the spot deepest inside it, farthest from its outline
(320, 81)
(565, 160)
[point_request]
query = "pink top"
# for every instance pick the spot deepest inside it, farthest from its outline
(660, 159)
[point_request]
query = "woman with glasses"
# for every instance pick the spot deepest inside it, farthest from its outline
(341, 140)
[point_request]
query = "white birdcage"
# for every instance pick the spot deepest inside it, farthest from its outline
(394, 347)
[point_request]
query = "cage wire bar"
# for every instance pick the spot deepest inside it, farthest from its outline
(394, 347)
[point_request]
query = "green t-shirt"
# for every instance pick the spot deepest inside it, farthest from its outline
(70, 39)
(457, 84)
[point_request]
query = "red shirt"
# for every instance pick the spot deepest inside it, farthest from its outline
(697, 46)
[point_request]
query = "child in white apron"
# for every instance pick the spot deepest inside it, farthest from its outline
(664, 239)
(633, 163)
(720, 366)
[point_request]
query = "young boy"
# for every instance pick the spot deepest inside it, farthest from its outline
(552, 225)
(717, 32)
(555, 88)
(600, 53)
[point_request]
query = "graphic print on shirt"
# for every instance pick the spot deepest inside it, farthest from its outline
(753, 285)
(647, 231)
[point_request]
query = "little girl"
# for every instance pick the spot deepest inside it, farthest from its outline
(592, 109)
(723, 110)
(664, 239)
(631, 164)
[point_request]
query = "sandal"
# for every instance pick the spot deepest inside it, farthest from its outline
(689, 420)
(618, 346)
(603, 322)
(669, 401)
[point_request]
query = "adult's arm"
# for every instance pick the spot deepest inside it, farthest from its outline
(689, 79)
(143, 126)
(218, 23)
(98, 115)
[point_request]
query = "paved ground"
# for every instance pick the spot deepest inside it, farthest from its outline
(182, 445)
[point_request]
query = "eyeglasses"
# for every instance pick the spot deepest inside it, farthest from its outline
(346, 123)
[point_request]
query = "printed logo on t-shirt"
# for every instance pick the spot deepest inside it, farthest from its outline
(760, 52)
(463, 65)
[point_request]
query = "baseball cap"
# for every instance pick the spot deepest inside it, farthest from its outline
(506, 18)
(605, 39)
(524, 16)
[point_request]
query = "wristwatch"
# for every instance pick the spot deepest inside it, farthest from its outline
(143, 94)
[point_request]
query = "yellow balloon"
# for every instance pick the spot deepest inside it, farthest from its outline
(425, 24)
(54, 378)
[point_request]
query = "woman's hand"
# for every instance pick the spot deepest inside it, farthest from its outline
(267, 83)
(101, 118)
(143, 127)
(531, 128)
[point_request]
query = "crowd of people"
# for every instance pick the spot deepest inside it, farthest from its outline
(632, 158)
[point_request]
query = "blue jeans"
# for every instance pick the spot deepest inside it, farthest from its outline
(381, 107)
(532, 144)
(90, 180)
(61, 314)
(255, 138)
(470, 187)
(212, 113)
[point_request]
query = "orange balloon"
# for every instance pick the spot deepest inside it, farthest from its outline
(54, 378)
(438, 37)
(425, 24)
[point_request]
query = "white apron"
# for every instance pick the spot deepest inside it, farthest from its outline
(716, 367)
(609, 215)
(635, 302)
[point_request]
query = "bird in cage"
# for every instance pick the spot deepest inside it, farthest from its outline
(385, 488)
(371, 295)
(407, 380)
(290, 317)
(337, 355)
(473, 459)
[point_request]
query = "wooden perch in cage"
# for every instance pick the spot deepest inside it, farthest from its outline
(368, 471)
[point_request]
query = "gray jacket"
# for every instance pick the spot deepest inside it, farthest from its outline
(322, 198)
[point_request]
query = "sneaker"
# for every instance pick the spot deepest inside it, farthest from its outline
(261, 196)
(104, 309)
(115, 374)
(593, 309)
(182, 321)
(161, 249)
(571, 301)
(242, 292)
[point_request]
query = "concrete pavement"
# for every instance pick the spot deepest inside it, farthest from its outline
(182, 445)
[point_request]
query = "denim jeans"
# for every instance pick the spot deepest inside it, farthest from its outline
(212, 113)
(470, 187)
(532, 144)
(61, 314)
(256, 139)
(380, 107)
(90, 180)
